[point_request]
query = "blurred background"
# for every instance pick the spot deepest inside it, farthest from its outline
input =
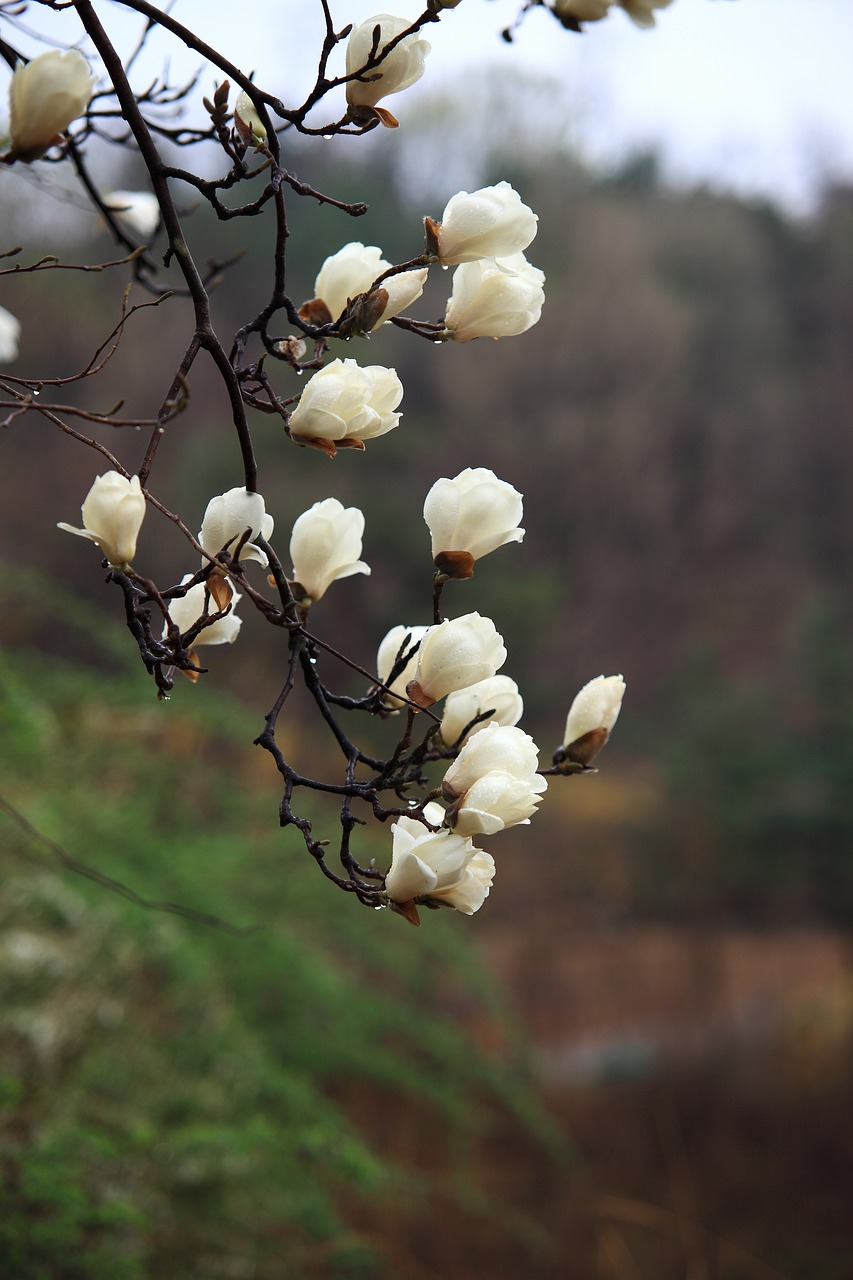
(634, 1062)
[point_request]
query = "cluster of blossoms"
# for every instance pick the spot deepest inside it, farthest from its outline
(494, 780)
(442, 676)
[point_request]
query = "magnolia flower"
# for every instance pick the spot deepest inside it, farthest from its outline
(582, 10)
(352, 270)
(186, 611)
(641, 12)
(250, 126)
(231, 515)
(496, 694)
(489, 223)
(437, 865)
(45, 95)
(399, 642)
(112, 512)
(325, 545)
(494, 299)
(496, 801)
(344, 405)
(468, 517)
(493, 783)
(10, 334)
(453, 655)
(138, 210)
(497, 747)
(395, 72)
(591, 717)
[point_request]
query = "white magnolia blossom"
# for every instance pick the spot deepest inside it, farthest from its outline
(469, 516)
(10, 336)
(353, 269)
(437, 865)
(398, 640)
(228, 517)
(455, 654)
(494, 299)
(112, 512)
(641, 12)
(582, 10)
(504, 748)
(592, 716)
(345, 404)
(138, 210)
(496, 801)
(45, 95)
(250, 126)
(490, 223)
(401, 68)
(497, 694)
(187, 610)
(326, 545)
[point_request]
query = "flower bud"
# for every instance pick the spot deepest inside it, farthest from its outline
(10, 334)
(494, 299)
(399, 642)
(45, 95)
(497, 694)
(489, 223)
(325, 546)
(229, 517)
(343, 405)
(249, 124)
(591, 717)
(641, 12)
(352, 270)
(185, 612)
(138, 210)
(453, 655)
(438, 866)
(395, 72)
(112, 512)
(468, 517)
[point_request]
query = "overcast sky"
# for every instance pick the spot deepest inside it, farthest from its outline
(750, 95)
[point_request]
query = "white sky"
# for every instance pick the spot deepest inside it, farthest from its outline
(750, 95)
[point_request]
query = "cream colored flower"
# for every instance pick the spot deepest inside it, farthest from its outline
(325, 546)
(437, 865)
(469, 516)
(399, 642)
(45, 95)
(138, 210)
(490, 223)
(591, 718)
(352, 270)
(395, 72)
(228, 517)
(455, 654)
(345, 404)
(112, 512)
(493, 783)
(496, 694)
(10, 335)
(496, 747)
(494, 299)
(186, 611)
